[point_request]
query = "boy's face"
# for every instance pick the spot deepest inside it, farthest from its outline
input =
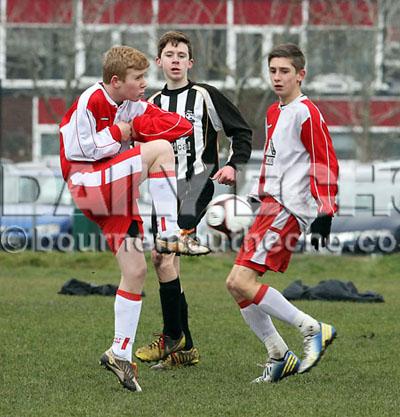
(134, 86)
(175, 62)
(285, 80)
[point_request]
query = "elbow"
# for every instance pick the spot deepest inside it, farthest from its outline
(186, 126)
(188, 131)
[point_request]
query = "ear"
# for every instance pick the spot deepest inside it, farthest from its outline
(300, 75)
(158, 62)
(190, 64)
(115, 81)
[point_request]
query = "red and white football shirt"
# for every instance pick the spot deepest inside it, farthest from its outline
(300, 168)
(103, 174)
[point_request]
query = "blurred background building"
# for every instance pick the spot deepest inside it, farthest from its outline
(50, 51)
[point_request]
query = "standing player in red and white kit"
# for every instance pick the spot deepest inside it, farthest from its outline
(296, 191)
(103, 174)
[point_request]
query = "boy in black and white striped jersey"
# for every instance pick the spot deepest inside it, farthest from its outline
(197, 166)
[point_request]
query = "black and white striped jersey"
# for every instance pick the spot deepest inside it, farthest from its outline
(209, 111)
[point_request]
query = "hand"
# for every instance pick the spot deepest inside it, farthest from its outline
(134, 135)
(320, 229)
(126, 131)
(226, 175)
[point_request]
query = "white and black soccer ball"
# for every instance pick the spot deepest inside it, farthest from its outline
(229, 214)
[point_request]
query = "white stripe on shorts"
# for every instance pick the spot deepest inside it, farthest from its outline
(124, 168)
(281, 219)
(120, 170)
(264, 246)
(87, 179)
(270, 238)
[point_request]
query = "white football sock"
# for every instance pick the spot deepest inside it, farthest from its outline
(306, 324)
(262, 326)
(275, 304)
(163, 190)
(276, 346)
(127, 309)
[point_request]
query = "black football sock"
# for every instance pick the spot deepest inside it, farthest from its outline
(170, 293)
(185, 322)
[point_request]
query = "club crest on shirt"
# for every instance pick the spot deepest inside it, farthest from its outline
(189, 115)
(271, 153)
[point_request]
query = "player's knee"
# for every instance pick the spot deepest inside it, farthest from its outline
(163, 263)
(136, 272)
(141, 271)
(237, 283)
(232, 282)
(163, 148)
(166, 153)
(155, 150)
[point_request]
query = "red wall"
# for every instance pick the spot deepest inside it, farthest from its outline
(16, 128)
(119, 11)
(251, 12)
(343, 12)
(192, 12)
(39, 11)
(263, 12)
(51, 110)
(383, 113)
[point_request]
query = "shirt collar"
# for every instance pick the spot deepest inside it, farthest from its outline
(300, 97)
(177, 91)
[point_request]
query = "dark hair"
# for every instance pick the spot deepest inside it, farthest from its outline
(174, 37)
(289, 50)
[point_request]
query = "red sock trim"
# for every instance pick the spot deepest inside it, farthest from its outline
(162, 174)
(129, 295)
(260, 294)
(125, 343)
(163, 224)
(245, 303)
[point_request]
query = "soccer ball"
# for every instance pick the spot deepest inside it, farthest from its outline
(229, 214)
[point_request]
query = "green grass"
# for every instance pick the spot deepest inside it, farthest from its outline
(50, 343)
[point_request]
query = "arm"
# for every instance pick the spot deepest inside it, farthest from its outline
(224, 114)
(84, 139)
(156, 123)
(324, 166)
(323, 174)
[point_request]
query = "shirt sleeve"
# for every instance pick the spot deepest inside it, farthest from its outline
(235, 127)
(86, 139)
(156, 123)
(324, 167)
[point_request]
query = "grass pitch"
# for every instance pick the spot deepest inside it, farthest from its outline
(50, 343)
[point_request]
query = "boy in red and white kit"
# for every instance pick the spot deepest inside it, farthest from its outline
(103, 174)
(296, 191)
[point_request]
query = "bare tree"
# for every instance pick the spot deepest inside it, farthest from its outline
(354, 52)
